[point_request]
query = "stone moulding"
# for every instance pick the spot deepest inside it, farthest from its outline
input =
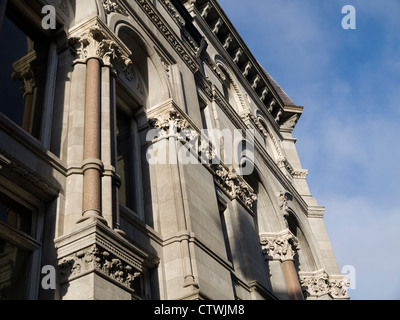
(280, 246)
(29, 176)
(319, 283)
(165, 30)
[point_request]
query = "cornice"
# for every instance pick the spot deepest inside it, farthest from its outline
(286, 111)
(152, 13)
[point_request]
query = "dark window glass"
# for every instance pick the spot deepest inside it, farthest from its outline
(125, 165)
(14, 263)
(23, 72)
(15, 215)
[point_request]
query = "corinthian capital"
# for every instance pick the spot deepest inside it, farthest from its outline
(280, 246)
(319, 283)
(93, 39)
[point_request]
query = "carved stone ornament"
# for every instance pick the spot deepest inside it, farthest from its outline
(283, 201)
(319, 283)
(235, 185)
(112, 6)
(96, 259)
(279, 246)
(169, 35)
(171, 124)
(97, 43)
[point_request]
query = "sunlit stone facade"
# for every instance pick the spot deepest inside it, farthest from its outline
(92, 181)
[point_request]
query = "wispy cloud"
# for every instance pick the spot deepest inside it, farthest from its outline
(349, 84)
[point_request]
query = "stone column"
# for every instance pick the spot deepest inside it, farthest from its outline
(283, 246)
(96, 46)
(92, 164)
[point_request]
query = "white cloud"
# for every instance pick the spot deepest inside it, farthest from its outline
(364, 233)
(349, 84)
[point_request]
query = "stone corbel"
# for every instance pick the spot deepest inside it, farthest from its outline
(255, 82)
(247, 69)
(319, 283)
(264, 93)
(206, 10)
(218, 24)
(238, 54)
(228, 41)
(281, 246)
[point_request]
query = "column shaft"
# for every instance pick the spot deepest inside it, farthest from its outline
(292, 281)
(92, 163)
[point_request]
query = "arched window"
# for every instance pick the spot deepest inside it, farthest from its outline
(304, 259)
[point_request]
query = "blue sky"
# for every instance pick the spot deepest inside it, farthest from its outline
(349, 83)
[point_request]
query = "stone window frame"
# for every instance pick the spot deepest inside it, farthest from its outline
(32, 242)
(135, 178)
(33, 18)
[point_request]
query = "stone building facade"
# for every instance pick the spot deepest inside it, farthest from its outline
(93, 179)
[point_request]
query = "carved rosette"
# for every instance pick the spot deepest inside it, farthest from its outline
(96, 42)
(96, 259)
(319, 283)
(279, 246)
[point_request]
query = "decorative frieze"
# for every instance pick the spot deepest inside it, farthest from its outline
(280, 246)
(168, 34)
(97, 259)
(320, 283)
(170, 8)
